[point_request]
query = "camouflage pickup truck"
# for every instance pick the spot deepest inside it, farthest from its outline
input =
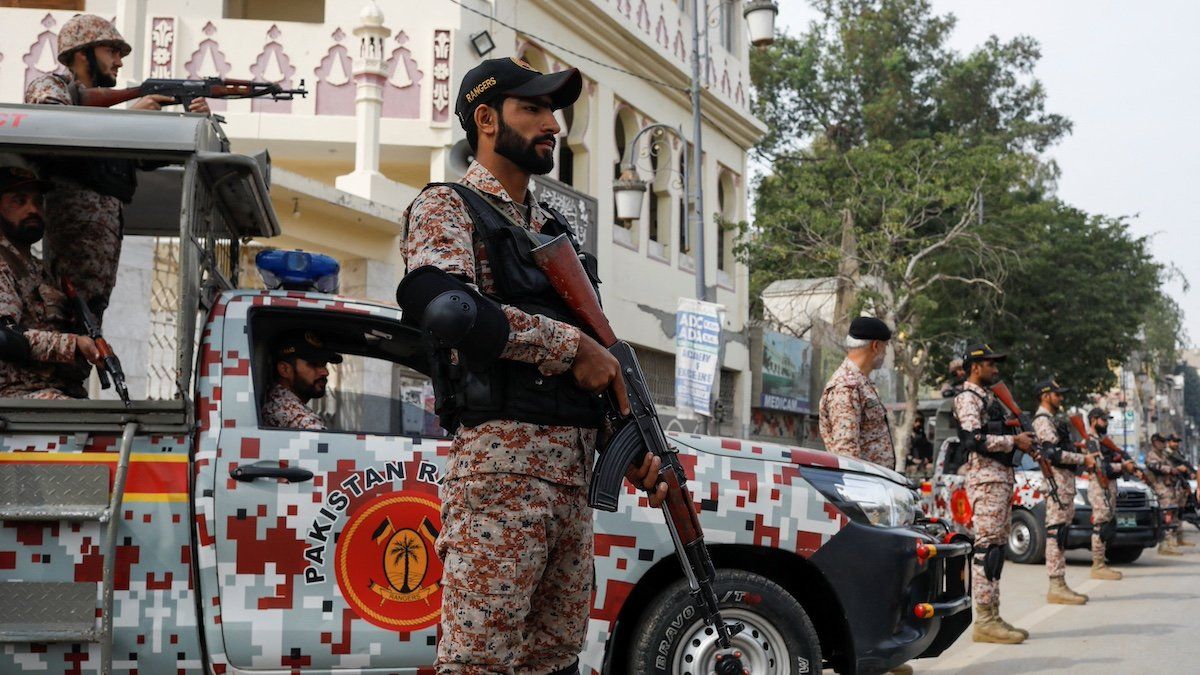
(184, 536)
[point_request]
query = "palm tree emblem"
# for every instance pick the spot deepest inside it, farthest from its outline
(405, 550)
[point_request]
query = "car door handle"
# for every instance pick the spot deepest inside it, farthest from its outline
(291, 474)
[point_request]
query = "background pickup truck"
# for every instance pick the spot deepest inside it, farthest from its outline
(184, 536)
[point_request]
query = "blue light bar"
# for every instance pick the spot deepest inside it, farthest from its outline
(298, 270)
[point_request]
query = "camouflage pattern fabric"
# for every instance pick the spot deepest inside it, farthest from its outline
(1161, 473)
(83, 227)
(284, 410)
(536, 467)
(1045, 432)
(1102, 509)
(853, 420)
(508, 539)
(85, 30)
(969, 407)
(30, 298)
(991, 515)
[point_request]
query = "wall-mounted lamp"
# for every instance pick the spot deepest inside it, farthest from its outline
(482, 42)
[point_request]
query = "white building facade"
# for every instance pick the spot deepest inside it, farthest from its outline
(347, 160)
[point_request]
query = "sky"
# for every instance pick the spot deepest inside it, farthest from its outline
(1126, 74)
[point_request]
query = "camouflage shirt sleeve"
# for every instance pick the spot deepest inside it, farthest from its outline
(48, 89)
(843, 404)
(1157, 463)
(438, 233)
(1045, 432)
(968, 408)
(44, 345)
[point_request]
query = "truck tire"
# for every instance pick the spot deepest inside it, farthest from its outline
(1027, 539)
(778, 639)
(1123, 555)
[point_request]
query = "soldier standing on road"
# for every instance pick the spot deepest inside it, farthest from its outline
(37, 349)
(1163, 478)
(1103, 501)
(990, 480)
(1183, 493)
(83, 212)
(301, 374)
(516, 536)
(1054, 440)
(853, 419)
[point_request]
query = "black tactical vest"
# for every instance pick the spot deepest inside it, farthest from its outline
(472, 394)
(1063, 430)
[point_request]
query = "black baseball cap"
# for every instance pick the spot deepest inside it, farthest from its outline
(1050, 387)
(1174, 439)
(14, 177)
(1099, 413)
(1158, 437)
(307, 345)
(870, 328)
(513, 77)
(981, 352)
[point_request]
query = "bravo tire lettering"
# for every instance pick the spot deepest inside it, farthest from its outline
(320, 531)
(681, 619)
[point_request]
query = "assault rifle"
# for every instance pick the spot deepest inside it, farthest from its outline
(1005, 397)
(635, 435)
(1178, 460)
(111, 373)
(184, 91)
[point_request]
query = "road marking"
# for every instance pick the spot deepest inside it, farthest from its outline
(973, 654)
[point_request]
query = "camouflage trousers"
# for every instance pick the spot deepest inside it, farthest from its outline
(1056, 562)
(1103, 507)
(991, 517)
(1167, 493)
(517, 555)
(83, 242)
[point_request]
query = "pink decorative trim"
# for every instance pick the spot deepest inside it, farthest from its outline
(335, 79)
(402, 93)
(273, 65)
(441, 76)
(208, 61)
(42, 57)
(162, 47)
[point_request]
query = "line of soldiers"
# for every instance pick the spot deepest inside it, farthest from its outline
(76, 205)
(854, 422)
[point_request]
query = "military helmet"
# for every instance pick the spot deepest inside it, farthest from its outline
(88, 30)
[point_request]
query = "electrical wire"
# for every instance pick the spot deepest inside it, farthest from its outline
(570, 51)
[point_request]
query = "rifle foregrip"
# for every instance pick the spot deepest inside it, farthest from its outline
(607, 480)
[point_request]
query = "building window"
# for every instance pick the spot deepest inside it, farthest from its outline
(727, 26)
(566, 156)
(307, 11)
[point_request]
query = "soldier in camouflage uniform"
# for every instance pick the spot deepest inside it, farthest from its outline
(1102, 500)
(301, 374)
(37, 349)
(83, 211)
(989, 488)
(516, 541)
(853, 420)
(1183, 494)
(1163, 475)
(1054, 440)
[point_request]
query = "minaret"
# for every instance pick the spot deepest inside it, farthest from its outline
(370, 74)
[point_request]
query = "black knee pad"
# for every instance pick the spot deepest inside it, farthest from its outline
(1059, 534)
(1108, 531)
(991, 559)
(572, 669)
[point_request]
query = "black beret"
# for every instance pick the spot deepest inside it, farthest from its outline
(869, 328)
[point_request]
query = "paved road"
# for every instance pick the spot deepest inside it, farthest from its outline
(1148, 622)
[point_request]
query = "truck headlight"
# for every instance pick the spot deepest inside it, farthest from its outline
(866, 499)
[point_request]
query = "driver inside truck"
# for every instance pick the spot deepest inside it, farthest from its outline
(301, 370)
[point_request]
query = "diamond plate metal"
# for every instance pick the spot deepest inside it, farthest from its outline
(47, 612)
(52, 492)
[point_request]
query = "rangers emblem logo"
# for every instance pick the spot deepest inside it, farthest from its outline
(387, 568)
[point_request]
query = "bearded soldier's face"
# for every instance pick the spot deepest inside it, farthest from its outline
(528, 133)
(21, 216)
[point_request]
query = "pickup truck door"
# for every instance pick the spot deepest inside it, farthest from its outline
(324, 539)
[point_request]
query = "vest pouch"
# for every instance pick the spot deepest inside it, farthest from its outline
(513, 269)
(483, 390)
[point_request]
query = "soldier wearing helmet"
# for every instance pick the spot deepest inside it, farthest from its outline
(83, 209)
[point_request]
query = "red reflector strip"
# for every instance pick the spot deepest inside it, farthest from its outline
(923, 610)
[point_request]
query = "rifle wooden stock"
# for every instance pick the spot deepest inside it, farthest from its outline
(558, 260)
(1006, 398)
(1026, 425)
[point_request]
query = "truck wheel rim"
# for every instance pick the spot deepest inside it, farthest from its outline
(762, 646)
(1018, 539)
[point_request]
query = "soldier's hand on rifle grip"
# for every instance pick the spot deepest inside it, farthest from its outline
(152, 102)
(596, 370)
(1024, 441)
(1130, 467)
(199, 106)
(87, 349)
(1089, 461)
(646, 477)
